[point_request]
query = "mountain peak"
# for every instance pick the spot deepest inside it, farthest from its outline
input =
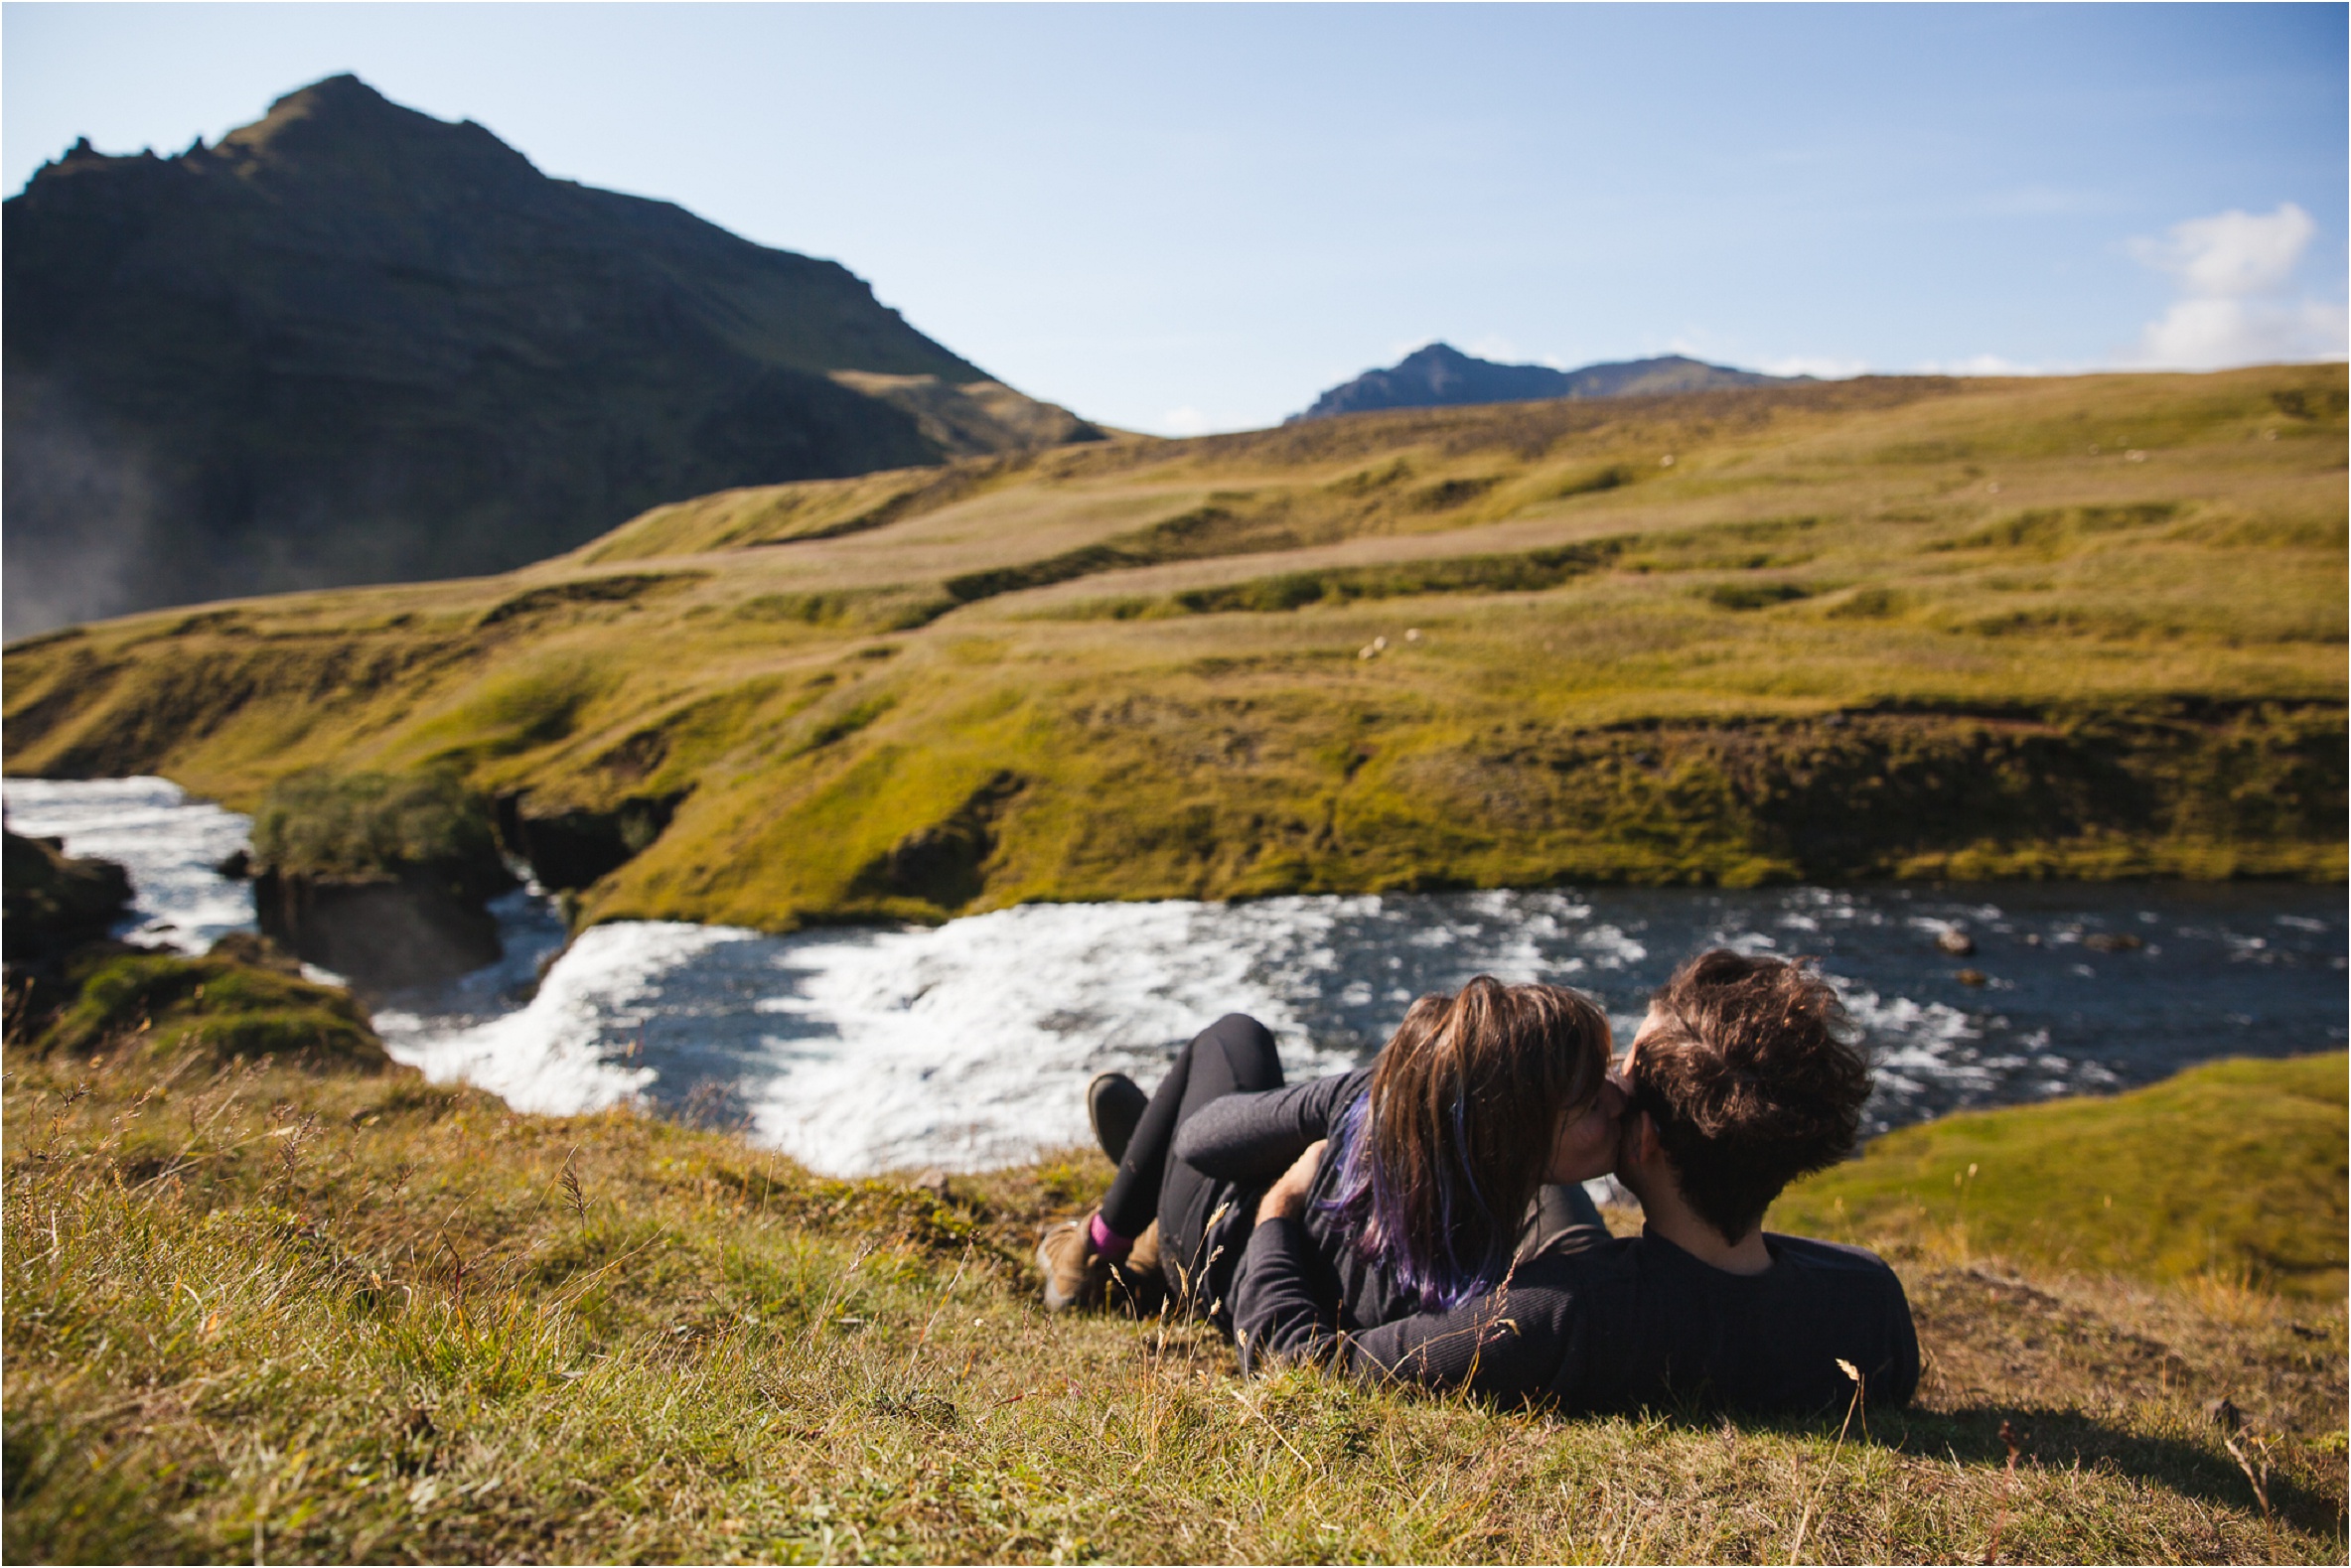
(342, 122)
(342, 90)
(1439, 376)
(1439, 353)
(355, 342)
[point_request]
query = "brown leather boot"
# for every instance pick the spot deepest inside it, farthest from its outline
(1138, 1287)
(1077, 1275)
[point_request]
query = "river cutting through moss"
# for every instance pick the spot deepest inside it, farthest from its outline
(864, 1048)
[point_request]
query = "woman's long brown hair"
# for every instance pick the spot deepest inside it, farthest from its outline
(1441, 1156)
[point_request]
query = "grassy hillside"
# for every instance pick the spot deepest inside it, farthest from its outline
(2235, 1168)
(2087, 626)
(260, 1313)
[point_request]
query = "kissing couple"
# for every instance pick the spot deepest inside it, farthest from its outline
(1421, 1218)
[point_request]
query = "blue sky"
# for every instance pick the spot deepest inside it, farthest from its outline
(1188, 217)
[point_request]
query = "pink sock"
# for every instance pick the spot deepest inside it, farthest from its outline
(1110, 1243)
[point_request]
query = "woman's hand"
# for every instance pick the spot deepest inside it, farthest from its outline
(1286, 1197)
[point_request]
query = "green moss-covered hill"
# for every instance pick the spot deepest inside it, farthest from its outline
(1919, 627)
(2233, 1169)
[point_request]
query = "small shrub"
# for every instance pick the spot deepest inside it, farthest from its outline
(1869, 604)
(619, 587)
(2053, 531)
(852, 609)
(1754, 596)
(361, 824)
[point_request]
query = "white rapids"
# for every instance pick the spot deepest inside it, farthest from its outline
(969, 1044)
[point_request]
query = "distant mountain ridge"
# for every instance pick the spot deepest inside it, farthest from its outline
(1443, 376)
(353, 344)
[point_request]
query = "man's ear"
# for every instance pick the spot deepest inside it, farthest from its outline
(1641, 1144)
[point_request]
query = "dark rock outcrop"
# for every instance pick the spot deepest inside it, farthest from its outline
(384, 878)
(255, 951)
(56, 903)
(353, 344)
(945, 864)
(1443, 376)
(573, 848)
(415, 927)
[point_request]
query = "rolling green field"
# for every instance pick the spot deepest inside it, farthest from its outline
(2235, 1168)
(313, 1308)
(2087, 626)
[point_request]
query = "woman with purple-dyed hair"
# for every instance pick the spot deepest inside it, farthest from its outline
(1457, 1152)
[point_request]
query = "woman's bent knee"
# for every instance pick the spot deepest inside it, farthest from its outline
(1249, 1052)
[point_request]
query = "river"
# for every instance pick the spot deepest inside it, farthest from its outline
(968, 1044)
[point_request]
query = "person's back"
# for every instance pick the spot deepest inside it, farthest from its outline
(1628, 1323)
(1667, 1329)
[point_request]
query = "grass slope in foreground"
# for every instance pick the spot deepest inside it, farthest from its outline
(262, 1311)
(2088, 628)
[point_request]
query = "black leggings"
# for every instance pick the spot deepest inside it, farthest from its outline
(1232, 1055)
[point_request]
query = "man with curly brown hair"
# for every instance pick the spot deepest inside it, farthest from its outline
(1744, 1076)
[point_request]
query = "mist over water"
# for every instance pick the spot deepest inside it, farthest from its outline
(970, 1044)
(82, 513)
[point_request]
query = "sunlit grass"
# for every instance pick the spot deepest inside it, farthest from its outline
(257, 1314)
(2234, 1170)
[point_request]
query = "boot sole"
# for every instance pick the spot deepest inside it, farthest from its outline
(1114, 1106)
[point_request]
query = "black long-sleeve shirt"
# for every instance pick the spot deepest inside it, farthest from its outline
(1247, 1140)
(1631, 1322)
(1254, 1138)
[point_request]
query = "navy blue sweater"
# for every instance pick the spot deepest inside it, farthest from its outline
(1628, 1322)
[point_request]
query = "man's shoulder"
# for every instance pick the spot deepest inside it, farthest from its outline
(1581, 1269)
(1808, 1255)
(1624, 1260)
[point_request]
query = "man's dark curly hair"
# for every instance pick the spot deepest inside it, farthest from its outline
(1753, 1077)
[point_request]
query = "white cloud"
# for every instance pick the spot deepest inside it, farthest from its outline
(1978, 364)
(2232, 253)
(2206, 334)
(1828, 369)
(1184, 422)
(1495, 346)
(2235, 271)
